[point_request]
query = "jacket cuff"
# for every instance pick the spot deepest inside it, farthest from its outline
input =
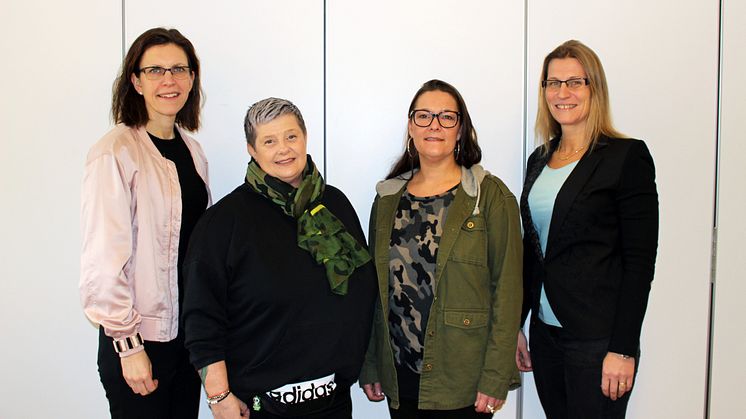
(498, 387)
(368, 375)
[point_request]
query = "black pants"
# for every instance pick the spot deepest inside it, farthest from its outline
(567, 372)
(341, 408)
(177, 395)
(408, 410)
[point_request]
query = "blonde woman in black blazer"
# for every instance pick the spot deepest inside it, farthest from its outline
(590, 217)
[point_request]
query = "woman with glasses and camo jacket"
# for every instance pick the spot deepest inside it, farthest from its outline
(446, 241)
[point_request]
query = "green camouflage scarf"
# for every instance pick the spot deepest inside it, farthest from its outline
(319, 231)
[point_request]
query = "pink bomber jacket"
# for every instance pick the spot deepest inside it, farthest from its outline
(130, 221)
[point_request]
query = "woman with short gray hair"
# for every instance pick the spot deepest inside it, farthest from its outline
(280, 287)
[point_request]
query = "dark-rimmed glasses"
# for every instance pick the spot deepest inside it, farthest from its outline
(156, 72)
(572, 84)
(423, 118)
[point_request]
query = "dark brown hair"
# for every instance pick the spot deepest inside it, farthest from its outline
(128, 107)
(469, 153)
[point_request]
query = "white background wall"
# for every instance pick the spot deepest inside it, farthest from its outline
(352, 67)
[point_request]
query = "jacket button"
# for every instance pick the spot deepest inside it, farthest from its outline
(467, 322)
(470, 224)
(427, 367)
(431, 333)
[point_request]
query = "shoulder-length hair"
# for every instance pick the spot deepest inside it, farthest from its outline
(128, 107)
(599, 116)
(469, 153)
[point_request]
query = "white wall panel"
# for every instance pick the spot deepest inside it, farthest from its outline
(57, 72)
(661, 63)
(248, 51)
(729, 339)
(379, 54)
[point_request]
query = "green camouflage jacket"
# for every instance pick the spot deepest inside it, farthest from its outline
(471, 334)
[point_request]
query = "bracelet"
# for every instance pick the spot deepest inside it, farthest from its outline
(218, 398)
(130, 342)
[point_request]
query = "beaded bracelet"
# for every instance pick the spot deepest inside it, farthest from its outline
(218, 398)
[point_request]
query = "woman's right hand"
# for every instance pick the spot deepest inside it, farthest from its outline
(230, 408)
(138, 373)
(373, 392)
(522, 355)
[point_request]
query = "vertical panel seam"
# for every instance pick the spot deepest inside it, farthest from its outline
(123, 29)
(324, 49)
(715, 215)
(520, 392)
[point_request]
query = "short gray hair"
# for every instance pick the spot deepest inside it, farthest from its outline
(267, 110)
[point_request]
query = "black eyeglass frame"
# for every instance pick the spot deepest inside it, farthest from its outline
(434, 116)
(180, 76)
(585, 80)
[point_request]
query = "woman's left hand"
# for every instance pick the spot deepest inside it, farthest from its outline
(617, 375)
(487, 404)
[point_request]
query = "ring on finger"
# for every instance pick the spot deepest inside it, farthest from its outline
(491, 408)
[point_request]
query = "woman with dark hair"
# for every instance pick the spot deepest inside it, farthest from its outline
(445, 235)
(145, 187)
(590, 220)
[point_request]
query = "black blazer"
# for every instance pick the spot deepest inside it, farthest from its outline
(602, 243)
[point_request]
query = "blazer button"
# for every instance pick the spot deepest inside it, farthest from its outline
(431, 333)
(427, 367)
(467, 322)
(470, 225)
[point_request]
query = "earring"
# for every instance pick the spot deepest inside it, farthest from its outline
(457, 149)
(409, 151)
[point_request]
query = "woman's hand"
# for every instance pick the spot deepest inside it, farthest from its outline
(373, 392)
(487, 404)
(522, 355)
(617, 375)
(138, 373)
(230, 408)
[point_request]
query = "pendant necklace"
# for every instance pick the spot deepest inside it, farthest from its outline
(567, 157)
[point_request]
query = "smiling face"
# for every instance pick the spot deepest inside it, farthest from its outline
(164, 97)
(280, 149)
(569, 107)
(435, 142)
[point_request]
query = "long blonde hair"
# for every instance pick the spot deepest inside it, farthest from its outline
(599, 116)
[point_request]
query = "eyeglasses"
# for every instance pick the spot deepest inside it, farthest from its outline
(156, 72)
(572, 84)
(423, 118)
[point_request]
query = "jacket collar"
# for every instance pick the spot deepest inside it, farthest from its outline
(471, 179)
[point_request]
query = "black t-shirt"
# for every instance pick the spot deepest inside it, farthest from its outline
(193, 193)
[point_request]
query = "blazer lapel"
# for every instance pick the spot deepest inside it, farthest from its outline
(570, 190)
(532, 173)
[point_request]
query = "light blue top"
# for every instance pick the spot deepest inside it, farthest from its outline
(541, 202)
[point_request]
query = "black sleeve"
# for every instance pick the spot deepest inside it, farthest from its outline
(206, 282)
(637, 208)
